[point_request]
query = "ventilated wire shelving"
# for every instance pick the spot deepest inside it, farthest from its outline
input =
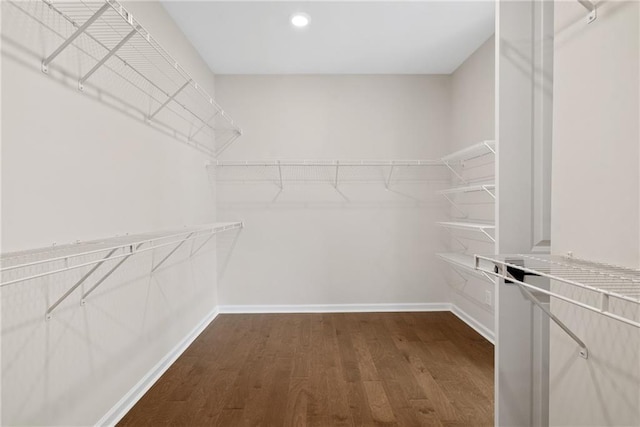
(107, 49)
(334, 172)
(606, 289)
(19, 267)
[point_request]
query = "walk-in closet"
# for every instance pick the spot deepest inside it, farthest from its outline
(318, 213)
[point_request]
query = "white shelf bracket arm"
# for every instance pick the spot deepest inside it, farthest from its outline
(75, 35)
(591, 7)
(336, 178)
(109, 273)
(100, 63)
(280, 175)
(489, 192)
(172, 252)
(456, 207)
(388, 181)
(584, 351)
(489, 147)
(78, 283)
(169, 99)
(455, 172)
(193, 252)
(489, 236)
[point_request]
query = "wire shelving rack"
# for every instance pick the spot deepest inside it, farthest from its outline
(24, 266)
(108, 50)
(333, 172)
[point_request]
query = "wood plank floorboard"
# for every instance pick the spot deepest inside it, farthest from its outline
(337, 369)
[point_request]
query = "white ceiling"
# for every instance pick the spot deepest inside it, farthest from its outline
(356, 37)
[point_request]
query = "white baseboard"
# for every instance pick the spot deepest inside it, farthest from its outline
(362, 308)
(123, 406)
(473, 323)
(334, 308)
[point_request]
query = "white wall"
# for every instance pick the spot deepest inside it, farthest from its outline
(74, 168)
(595, 204)
(472, 121)
(308, 245)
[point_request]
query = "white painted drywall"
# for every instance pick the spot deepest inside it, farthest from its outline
(595, 204)
(76, 169)
(472, 121)
(308, 245)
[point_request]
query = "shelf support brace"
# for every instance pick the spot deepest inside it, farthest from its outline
(591, 7)
(171, 98)
(75, 35)
(456, 207)
(584, 351)
(484, 187)
(486, 144)
(455, 172)
(203, 244)
(132, 251)
(280, 175)
(78, 283)
(172, 252)
(105, 58)
(388, 182)
(488, 235)
(336, 179)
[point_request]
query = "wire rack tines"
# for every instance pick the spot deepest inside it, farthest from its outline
(117, 56)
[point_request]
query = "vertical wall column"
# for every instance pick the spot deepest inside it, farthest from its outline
(523, 94)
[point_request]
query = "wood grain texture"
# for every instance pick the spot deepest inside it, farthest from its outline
(338, 369)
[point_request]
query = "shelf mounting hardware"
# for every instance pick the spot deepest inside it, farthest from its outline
(388, 182)
(78, 283)
(280, 175)
(591, 7)
(132, 250)
(106, 58)
(584, 351)
(171, 253)
(75, 35)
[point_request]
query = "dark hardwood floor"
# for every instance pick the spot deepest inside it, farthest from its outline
(366, 369)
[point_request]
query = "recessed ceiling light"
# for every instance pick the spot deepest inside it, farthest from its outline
(300, 20)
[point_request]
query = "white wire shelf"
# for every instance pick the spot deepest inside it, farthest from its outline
(465, 262)
(470, 226)
(24, 266)
(477, 150)
(608, 282)
(488, 188)
(108, 49)
(333, 172)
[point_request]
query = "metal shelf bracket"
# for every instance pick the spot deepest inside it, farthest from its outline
(591, 7)
(75, 35)
(132, 250)
(47, 315)
(171, 253)
(106, 58)
(584, 351)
